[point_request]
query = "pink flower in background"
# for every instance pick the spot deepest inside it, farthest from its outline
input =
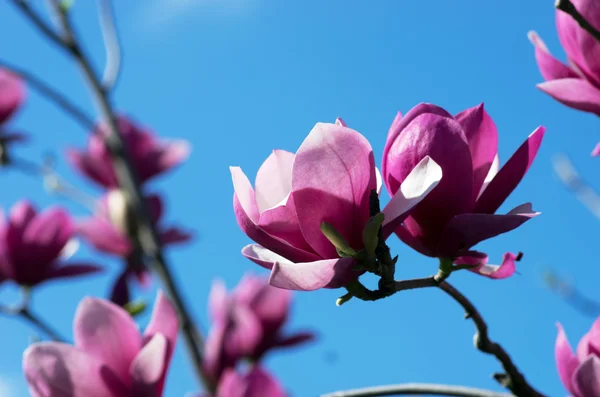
(247, 323)
(580, 373)
(577, 84)
(106, 231)
(110, 358)
(150, 156)
(255, 383)
(459, 213)
(12, 96)
(329, 179)
(32, 245)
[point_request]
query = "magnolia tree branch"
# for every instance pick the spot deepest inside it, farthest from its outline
(568, 175)
(512, 379)
(417, 389)
(111, 41)
(568, 7)
(571, 294)
(79, 115)
(127, 178)
(33, 319)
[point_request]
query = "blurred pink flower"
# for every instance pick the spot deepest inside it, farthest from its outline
(329, 179)
(32, 244)
(110, 358)
(12, 96)
(150, 156)
(255, 383)
(109, 235)
(580, 373)
(247, 323)
(460, 211)
(577, 84)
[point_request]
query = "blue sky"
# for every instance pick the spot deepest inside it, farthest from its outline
(238, 78)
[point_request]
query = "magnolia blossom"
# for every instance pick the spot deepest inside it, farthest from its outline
(247, 323)
(580, 372)
(255, 383)
(107, 231)
(110, 358)
(577, 84)
(150, 156)
(12, 96)
(329, 179)
(33, 246)
(460, 212)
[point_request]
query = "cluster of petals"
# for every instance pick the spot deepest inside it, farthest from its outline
(247, 323)
(34, 246)
(109, 358)
(460, 211)
(109, 235)
(580, 371)
(254, 383)
(12, 96)
(329, 179)
(149, 155)
(576, 84)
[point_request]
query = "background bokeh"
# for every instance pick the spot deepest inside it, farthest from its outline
(238, 78)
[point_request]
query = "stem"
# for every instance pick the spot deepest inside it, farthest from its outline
(129, 182)
(417, 389)
(54, 95)
(36, 321)
(513, 379)
(568, 7)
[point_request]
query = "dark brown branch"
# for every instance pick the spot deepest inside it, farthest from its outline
(417, 389)
(568, 7)
(36, 321)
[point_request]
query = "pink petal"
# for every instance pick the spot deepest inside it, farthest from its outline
(596, 151)
(163, 323)
(104, 237)
(510, 174)
(149, 367)
(506, 269)
(589, 344)
(46, 235)
(174, 235)
(107, 332)
(415, 241)
(443, 139)
(246, 212)
(155, 206)
(586, 379)
(74, 270)
(494, 168)
(56, 369)
(12, 94)
(295, 339)
(261, 384)
(271, 305)
(245, 332)
(466, 230)
(95, 167)
(217, 301)
(415, 187)
(575, 93)
(393, 131)
(482, 136)
(333, 175)
(168, 155)
(550, 67)
(20, 215)
(281, 222)
(274, 180)
(120, 294)
(310, 276)
(339, 121)
(566, 362)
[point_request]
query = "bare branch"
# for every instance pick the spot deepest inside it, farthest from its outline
(112, 43)
(567, 173)
(568, 7)
(417, 389)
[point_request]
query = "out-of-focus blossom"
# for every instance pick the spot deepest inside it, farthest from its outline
(110, 358)
(460, 212)
(329, 179)
(107, 231)
(150, 156)
(576, 84)
(255, 383)
(580, 371)
(247, 323)
(32, 245)
(12, 96)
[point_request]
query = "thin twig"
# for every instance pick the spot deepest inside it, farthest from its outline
(417, 389)
(54, 95)
(129, 182)
(568, 7)
(35, 320)
(568, 175)
(38, 21)
(111, 41)
(572, 295)
(513, 379)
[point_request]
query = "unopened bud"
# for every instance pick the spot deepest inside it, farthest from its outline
(338, 241)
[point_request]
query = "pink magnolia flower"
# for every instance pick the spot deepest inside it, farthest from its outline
(247, 323)
(255, 383)
(329, 179)
(107, 232)
(577, 84)
(580, 373)
(460, 212)
(32, 244)
(150, 156)
(110, 358)
(12, 96)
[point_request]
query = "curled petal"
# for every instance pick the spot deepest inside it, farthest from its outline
(566, 361)
(104, 237)
(217, 301)
(12, 94)
(310, 276)
(550, 67)
(148, 368)
(506, 269)
(274, 180)
(586, 379)
(73, 270)
(575, 93)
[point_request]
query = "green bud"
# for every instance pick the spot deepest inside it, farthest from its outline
(135, 308)
(370, 232)
(65, 5)
(339, 242)
(343, 299)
